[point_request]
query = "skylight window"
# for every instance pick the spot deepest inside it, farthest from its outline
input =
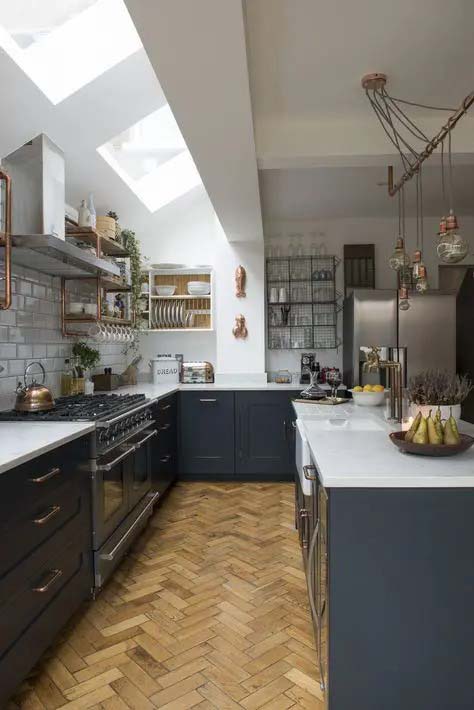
(64, 45)
(151, 157)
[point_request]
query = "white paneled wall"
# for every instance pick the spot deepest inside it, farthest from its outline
(31, 330)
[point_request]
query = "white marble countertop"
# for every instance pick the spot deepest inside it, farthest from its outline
(350, 455)
(23, 441)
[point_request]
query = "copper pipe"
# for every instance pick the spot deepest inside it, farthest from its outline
(393, 188)
(7, 239)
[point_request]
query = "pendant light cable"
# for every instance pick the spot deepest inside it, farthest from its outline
(450, 159)
(421, 210)
(443, 182)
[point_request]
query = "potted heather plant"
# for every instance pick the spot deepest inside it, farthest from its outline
(431, 389)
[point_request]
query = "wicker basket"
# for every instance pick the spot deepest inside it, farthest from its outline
(105, 226)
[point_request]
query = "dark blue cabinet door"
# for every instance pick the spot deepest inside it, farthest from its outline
(165, 444)
(265, 434)
(206, 442)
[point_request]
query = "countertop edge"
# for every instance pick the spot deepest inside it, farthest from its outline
(86, 428)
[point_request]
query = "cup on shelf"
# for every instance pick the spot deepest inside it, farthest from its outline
(273, 295)
(283, 295)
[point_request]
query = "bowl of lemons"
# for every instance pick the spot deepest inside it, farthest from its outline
(368, 396)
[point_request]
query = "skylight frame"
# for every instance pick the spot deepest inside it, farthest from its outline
(78, 51)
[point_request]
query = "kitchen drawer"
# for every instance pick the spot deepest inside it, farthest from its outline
(18, 660)
(31, 525)
(34, 481)
(32, 585)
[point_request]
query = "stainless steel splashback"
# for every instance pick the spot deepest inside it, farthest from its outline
(38, 198)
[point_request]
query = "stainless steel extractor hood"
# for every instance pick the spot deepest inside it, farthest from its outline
(38, 198)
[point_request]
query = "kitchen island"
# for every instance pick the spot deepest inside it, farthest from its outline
(387, 542)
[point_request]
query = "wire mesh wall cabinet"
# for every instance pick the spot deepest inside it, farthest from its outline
(302, 302)
(359, 267)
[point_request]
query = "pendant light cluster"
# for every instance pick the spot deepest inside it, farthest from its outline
(452, 247)
(400, 129)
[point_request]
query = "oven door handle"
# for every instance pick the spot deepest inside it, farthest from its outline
(111, 464)
(140, 443)
(111, 555)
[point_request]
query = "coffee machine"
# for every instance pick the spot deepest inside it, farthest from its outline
(308, 365)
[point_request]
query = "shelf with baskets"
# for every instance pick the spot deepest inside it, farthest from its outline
(179, 300)
(302, 302)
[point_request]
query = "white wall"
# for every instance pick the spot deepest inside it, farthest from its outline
(190, 233)
(337, 232)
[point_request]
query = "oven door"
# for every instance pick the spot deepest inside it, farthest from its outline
(111, 491)
(140, 465)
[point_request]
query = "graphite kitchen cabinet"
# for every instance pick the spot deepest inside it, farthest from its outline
(238, 435)
(265, 438)
(390, 577)
(206, 434)
(165, 444)
(45, 555)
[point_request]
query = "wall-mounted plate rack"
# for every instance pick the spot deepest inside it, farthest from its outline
(182, 312)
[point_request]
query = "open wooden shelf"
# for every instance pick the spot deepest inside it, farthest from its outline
(72, 318)
(179, 298)
(103, 245)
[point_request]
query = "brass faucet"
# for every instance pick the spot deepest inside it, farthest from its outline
(373, 363)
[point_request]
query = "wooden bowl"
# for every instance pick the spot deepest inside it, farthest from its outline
(408, 447)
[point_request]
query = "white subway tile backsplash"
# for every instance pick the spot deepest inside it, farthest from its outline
(24, 351)
(16, 367)
(8, 317)
(39, 350)
(7, 350)
(30, 330)
(39, 291)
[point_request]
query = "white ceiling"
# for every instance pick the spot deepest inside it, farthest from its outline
(319, 146)
(317, 141)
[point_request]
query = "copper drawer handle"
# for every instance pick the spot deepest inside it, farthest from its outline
(165, 427)
(163, 409)
(42, 479)
(55, 574)
(165, 459)
(52, 512)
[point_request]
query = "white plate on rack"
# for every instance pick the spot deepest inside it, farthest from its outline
(168, 266)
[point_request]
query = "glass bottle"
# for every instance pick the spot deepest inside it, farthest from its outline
(66, 379)
(91, 208)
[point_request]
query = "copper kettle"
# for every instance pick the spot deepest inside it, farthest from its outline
(34, 397)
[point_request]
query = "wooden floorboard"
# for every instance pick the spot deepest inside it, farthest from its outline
(209, 610)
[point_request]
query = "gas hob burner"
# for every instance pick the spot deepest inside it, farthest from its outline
(82, 407)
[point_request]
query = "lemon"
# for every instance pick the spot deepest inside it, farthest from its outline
(378, 388)
(368, 388)
(358, 388)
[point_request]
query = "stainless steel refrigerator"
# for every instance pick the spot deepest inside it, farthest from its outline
(423, 337)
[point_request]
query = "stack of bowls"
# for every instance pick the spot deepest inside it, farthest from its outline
(199, 288)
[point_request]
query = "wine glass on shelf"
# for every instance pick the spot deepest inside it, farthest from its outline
(334, 379)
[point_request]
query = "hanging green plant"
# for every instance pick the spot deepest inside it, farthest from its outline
(132, 245)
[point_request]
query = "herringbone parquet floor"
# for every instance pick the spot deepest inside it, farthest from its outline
(208, 611)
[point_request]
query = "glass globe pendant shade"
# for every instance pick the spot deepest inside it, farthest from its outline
(399, 258)
(403, 302)
(452, 247)
(422, 284)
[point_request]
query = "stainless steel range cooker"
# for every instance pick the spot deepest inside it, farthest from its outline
(120, 468)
